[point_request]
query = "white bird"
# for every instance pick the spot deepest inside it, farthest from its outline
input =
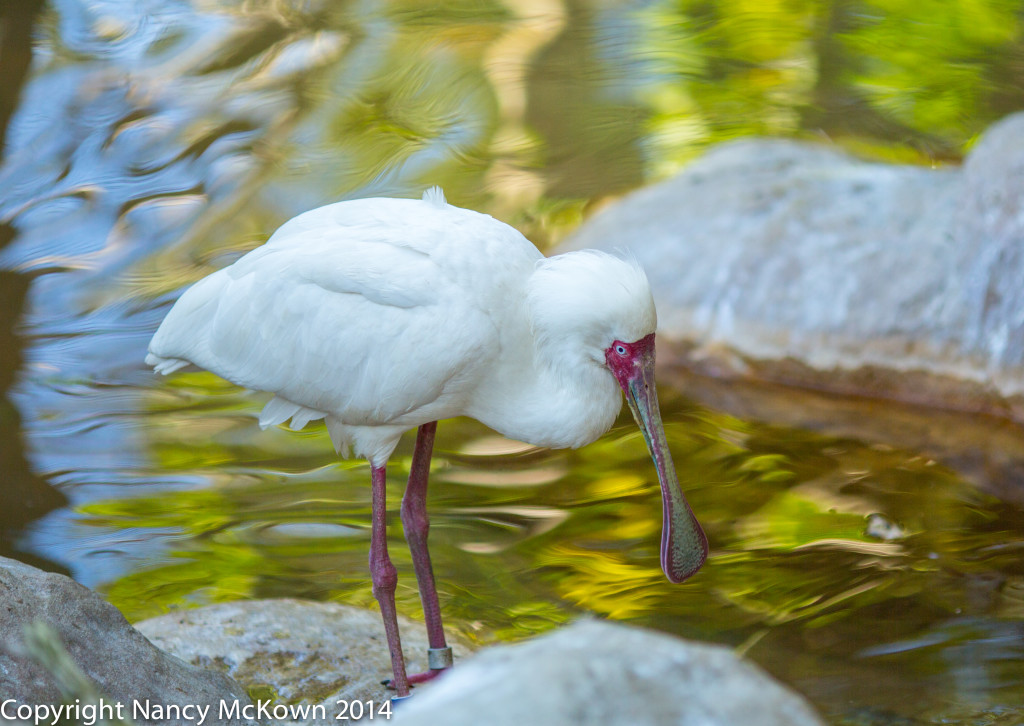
(384, 315)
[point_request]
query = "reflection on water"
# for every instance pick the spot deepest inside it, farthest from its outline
(23, 495)
(156, 141)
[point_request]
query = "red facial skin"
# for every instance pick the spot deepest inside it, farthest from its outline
(626, 365)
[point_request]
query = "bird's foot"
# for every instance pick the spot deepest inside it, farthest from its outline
(438, 659)
(425, 676)
(415, 678)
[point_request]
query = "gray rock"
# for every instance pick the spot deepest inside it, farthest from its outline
(797, 263)
(598, 673)
(293, 651)
(125, 667)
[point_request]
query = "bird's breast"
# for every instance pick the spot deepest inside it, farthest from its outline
(546, 409)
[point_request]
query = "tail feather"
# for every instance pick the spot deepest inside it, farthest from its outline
(165, 366)
(278, 410)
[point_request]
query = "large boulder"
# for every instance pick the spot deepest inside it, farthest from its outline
(595, 672)
(796, 263)
(124, 667)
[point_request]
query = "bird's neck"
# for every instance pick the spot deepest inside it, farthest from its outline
(562, 403)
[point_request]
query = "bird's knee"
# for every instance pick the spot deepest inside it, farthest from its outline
(384, 576)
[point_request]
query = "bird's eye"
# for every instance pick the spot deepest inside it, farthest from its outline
(620, 349)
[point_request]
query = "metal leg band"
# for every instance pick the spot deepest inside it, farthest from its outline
(438, 658)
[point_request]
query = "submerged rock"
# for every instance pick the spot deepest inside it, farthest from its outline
(595, 672)
(796, 263)
(125, 667)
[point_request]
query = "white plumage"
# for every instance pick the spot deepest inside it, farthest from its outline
(383, 314)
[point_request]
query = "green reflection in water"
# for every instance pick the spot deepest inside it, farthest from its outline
(897, 79)
(823, 551)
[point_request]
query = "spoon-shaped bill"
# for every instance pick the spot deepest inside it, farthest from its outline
(684, 547)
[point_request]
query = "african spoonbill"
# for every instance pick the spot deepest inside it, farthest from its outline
(384, 315)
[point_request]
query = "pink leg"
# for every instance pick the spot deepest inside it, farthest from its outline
(416, 525)
(385, 578)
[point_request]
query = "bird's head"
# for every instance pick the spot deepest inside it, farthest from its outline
(585, 301)
(592, 308)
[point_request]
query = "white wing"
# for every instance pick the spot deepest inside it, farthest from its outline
(365, 311)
